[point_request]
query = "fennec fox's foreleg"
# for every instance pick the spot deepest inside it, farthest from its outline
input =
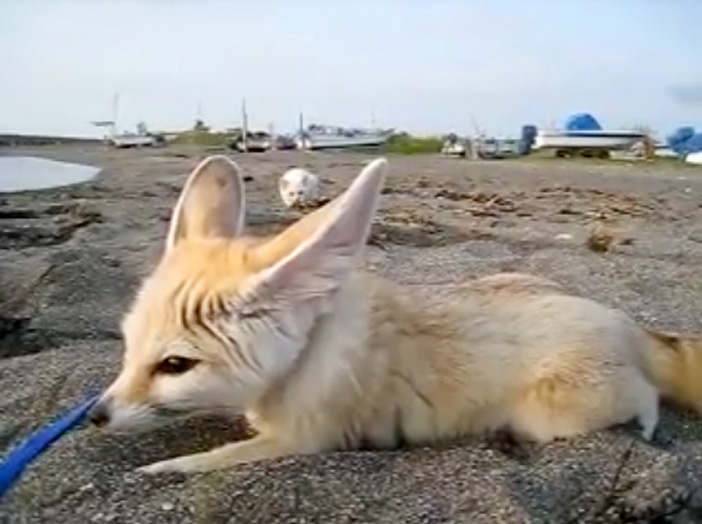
(257, 448)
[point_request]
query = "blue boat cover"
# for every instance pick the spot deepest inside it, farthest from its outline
(582, 122)
(685, 140)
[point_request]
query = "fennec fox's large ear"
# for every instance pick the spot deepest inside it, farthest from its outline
(311, 258)
(211, 203)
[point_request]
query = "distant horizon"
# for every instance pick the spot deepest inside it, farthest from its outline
(425, 68)
(102, 132)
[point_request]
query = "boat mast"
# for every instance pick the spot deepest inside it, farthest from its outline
(198, 117)
(244, 125)
(271, 134)
(115, 106)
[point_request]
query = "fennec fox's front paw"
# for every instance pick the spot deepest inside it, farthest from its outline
(255, 449)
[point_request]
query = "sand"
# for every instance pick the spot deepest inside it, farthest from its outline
(71, 260)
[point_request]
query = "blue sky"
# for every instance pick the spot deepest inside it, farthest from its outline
(422, 65)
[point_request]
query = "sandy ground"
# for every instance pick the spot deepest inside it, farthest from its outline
(71, 259)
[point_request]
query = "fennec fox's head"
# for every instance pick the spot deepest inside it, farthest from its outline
(223, 317)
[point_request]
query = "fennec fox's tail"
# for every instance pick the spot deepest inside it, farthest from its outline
(674, 364)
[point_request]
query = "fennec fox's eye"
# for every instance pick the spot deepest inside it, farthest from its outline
(176, 365)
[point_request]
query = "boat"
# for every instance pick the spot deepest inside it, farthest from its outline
(586, 139)
(686, 143)
(584, 135)
(126, 140)
(142, 138)
(260, 141)
(333, 137)
(663, 151)
(454, 146)
(496, 148)
(257, 141)
(285, 142)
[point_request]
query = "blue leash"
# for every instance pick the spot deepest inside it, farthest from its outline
(15, 463)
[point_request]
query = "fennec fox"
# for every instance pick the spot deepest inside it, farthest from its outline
(321, 356)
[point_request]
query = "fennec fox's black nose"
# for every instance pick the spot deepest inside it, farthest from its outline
(100, 413)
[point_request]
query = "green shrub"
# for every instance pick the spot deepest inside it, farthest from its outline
(202, 138)
(411, 145)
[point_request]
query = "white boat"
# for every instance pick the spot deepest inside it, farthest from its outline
(694, 158)
(454, 149)
(595, 139)
(142, 138)
(665, 152)
(332, 137)
(132, 140)
(496, 148)
(257, 141)
(454, 146)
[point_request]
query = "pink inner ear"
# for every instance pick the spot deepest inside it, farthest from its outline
(211, 203)
(316, 263)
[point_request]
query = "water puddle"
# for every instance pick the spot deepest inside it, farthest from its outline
(25, 173)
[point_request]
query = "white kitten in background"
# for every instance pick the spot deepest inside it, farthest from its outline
(298, 187)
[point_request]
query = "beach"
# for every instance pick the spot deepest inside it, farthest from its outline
(71, 259)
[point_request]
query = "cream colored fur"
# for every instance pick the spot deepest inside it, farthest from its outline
(322, 356)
